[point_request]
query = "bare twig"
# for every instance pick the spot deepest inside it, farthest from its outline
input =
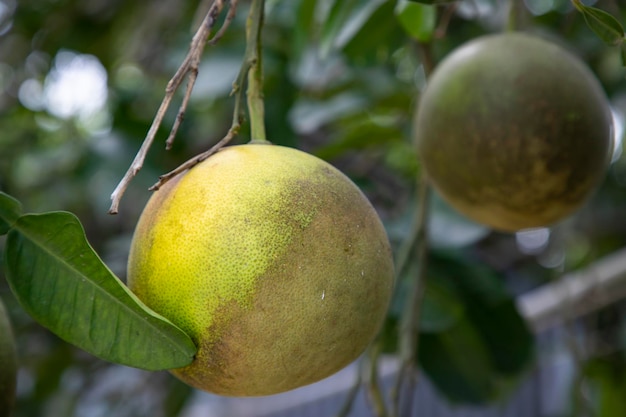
(409, 334)
(230, 15)
(192, 61)
(189, 67)
(375, 392)
(190, 163)
(346, 407)
(193, 76)
(251, 58)
(446, 17)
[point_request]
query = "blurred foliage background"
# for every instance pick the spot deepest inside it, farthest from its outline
(81, 81)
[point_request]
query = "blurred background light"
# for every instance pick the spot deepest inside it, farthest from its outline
(533, 241)
(76, 86)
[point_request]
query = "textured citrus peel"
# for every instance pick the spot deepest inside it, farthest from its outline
(514, 131)
(285, 251)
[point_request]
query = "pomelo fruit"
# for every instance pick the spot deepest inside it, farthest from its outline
(513, 131)
(274, 263)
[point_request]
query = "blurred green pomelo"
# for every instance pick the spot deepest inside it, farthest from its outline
(8, 364)
(514, 131)
(273, 262)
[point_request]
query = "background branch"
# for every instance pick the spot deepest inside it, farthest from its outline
(409, 332)
(577, 293)
(408, 338)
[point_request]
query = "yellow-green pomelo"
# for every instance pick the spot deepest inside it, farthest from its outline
(272, 260)
(514, 131)
(8, 364)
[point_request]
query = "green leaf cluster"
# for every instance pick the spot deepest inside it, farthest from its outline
(417, 19)
(466, 309)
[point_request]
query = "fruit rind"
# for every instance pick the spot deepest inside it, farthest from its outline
(296, 268)
(514, 131)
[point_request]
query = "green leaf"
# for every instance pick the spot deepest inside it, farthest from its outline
(418, 20)
(305, 20)
(474, 280)
(10, 210)
(458, 364)
(490, 308)
(358, 27)
(62, 283)
(362, 33)
(607, 27)
(484, 351)
(441, 307)
(334, 22)
(360, 135)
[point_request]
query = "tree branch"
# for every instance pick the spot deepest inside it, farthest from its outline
(417, 245)
(375, 392)
(189, 68)
(190, 163)
(409, 322)
(346, 407)
(250, 70)
(577, 293)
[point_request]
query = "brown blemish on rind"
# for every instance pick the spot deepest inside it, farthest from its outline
(514, 134)
(291, 333)
(314, 307)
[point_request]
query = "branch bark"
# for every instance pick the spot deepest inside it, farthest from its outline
(250, 70)
(188, 69)
(576, 294)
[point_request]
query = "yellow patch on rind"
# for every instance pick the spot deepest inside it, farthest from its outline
(270, 259)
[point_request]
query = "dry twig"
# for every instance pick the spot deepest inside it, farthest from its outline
(190, 163)
(442, 27)
(376, 397)
(189, 68)
(250, 69)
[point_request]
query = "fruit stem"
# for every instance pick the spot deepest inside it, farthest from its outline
(515, 16)
(253, 55)
(376, 396)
